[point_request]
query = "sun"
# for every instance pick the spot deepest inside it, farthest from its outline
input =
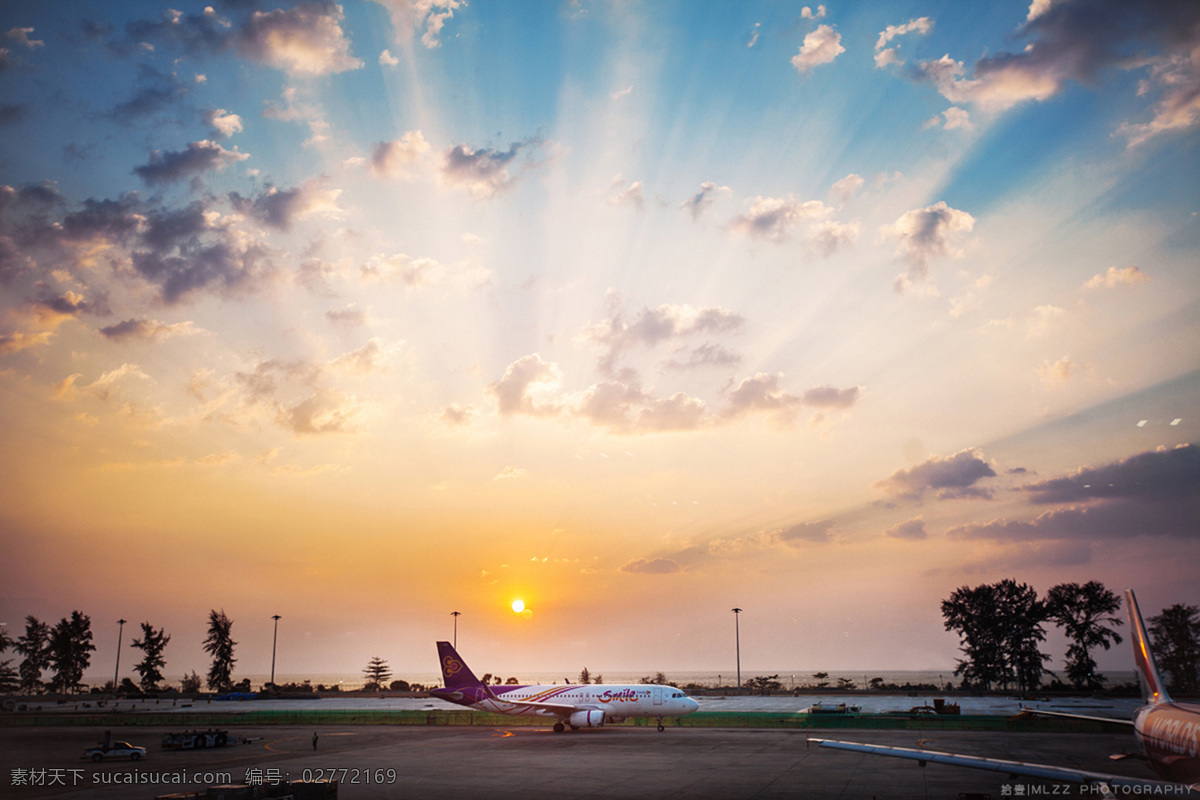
(518, 606)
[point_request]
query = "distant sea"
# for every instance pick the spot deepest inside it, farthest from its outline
(789, 678)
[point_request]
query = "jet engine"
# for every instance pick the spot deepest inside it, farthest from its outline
(586, 719)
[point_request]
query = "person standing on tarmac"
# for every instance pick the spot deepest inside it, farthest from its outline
(314, 740)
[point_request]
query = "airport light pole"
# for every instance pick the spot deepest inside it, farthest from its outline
(117, 670)
(738, 639)
(456, 615)
(274, 640)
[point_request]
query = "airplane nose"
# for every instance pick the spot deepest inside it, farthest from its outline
(692, 705)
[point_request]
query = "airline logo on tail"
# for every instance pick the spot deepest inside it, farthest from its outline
(451, 666)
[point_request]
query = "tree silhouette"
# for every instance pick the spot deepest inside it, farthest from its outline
(1086, 615)
(219, 644)
(8, 675)
(1000, 626)
(1175, 640)
(190, 683)
(764, 684)
(70, 651)
(152, 645)
(377, 672)
(35, 646)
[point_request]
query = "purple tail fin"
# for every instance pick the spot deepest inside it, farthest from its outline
(455, 673)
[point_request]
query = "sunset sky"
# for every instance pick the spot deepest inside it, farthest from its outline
(635, 311)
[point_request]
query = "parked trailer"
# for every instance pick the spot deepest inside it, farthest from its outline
(195, 740)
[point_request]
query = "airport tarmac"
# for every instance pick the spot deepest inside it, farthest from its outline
(384, 762)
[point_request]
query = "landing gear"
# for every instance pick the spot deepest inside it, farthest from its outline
(660, 725)
(559, 727)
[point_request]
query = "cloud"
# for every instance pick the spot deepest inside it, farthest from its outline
(386, 59)
(1129, 276)
(805, 532)
(304, 40)
(827, 236)
(950, 478)
(368, 359)
(953, 118)
(510, 473)
(1076, 40)
(651, 327)
(326, 411)
(149, 330)
(168, 166)
(456, 415)
(808, 13)
(762, 394)
(704, 356)
(157, 92)
(926, 233)
(885, 55)
(703, 200)
(821, 46)
(1160, 475)
(402, 268)
(611, 404)
(279, 208)
(913, 530)
(410, 16)
(223, 123)
(1153, 493)
(20, 37)
(773, 218)
(524, 386)
(679, 412)
(845, 189)
(1061, 371)
(482, 173)
(350, 316)
(832, 397)
(15, 341)
(654, 566)
(631, 196)
(398, 157)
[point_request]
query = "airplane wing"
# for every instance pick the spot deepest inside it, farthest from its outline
(1015, 768)
(553, 708)
(1067, 715)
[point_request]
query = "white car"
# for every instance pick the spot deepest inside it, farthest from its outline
(115, 750)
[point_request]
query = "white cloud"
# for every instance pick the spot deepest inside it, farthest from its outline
(386, 59)
(773, 218)
(885, 55)
(223, 123)
(632, 196)
(1129, 276)
(702, 200)
(399, 157)
(529, 386)
(821, 46)
(410, 16)
(926, 233)
(845, 189)
(304, 40)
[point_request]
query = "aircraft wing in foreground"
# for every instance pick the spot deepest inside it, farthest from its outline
(574, 705)
(1169, 732)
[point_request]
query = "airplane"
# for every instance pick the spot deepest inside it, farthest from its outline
(1168, 731)
(579, 706)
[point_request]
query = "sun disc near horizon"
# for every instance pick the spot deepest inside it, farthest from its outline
(518, 606)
